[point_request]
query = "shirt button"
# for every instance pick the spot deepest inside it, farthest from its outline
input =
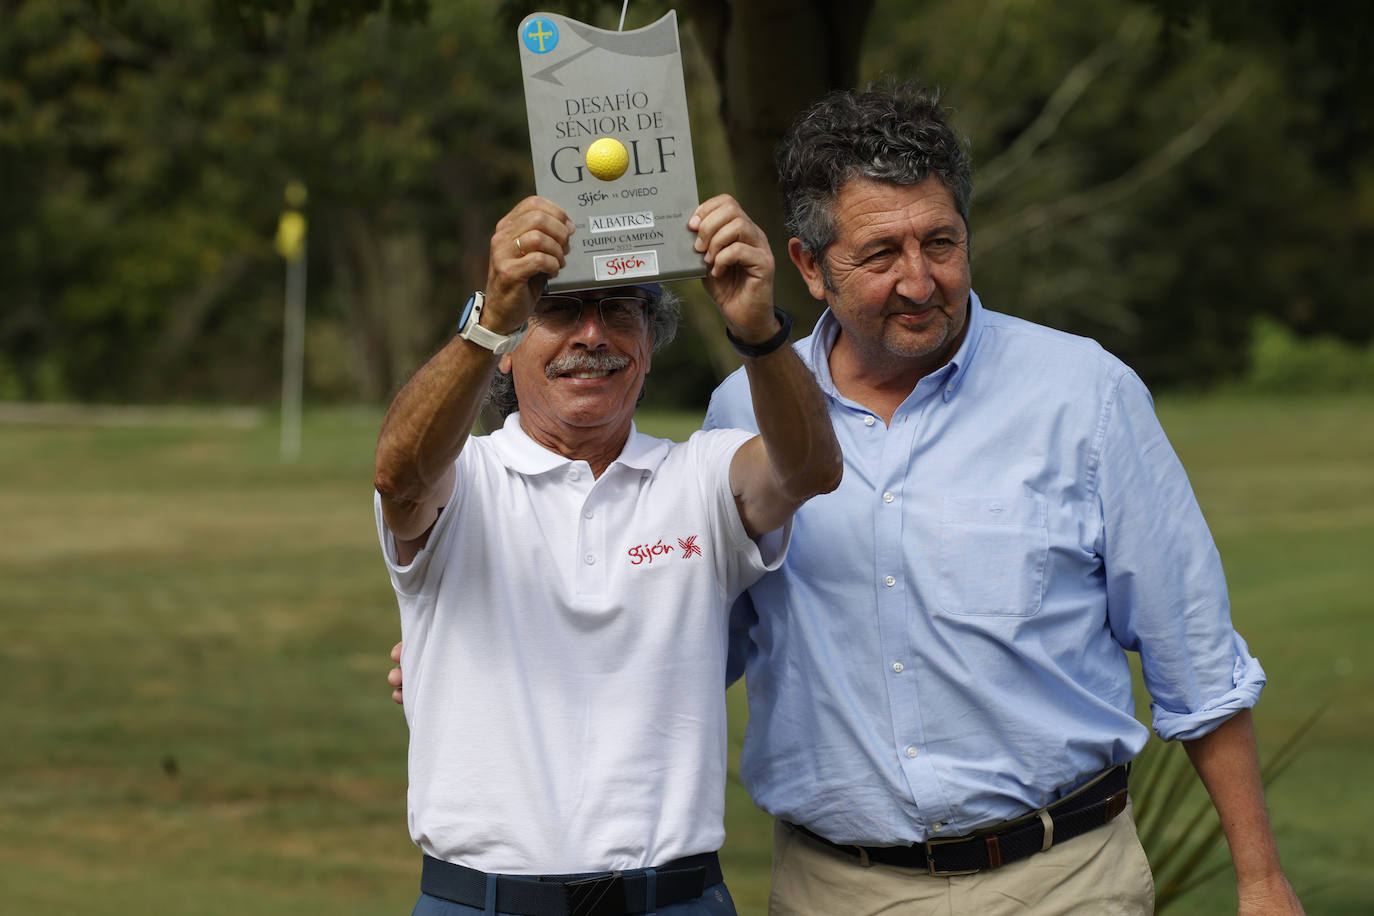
(888, 497)
(869, 421)
(890, 581)
(589, 559)
(911, 751)
(898, 667)
(587, 513)
(574, 474)
(938, 826)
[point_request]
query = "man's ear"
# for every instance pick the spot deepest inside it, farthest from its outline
(808, 267)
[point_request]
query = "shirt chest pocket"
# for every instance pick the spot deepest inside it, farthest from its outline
(992, 555)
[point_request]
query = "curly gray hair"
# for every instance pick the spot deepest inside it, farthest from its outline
(664, 311)
(895, 133)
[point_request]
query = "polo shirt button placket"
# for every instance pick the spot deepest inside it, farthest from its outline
(591, 535)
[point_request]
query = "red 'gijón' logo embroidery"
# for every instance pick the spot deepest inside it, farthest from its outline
(647, 553)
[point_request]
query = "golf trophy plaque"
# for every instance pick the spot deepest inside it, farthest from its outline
(611, 145)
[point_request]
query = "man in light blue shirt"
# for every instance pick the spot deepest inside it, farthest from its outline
(943, 653)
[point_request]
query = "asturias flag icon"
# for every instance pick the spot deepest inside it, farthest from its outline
(540, 35)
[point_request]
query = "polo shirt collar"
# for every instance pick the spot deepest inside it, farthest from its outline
(827, 331)
(523, 455)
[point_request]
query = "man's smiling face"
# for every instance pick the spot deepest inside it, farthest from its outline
(897, 274)
(580, 369)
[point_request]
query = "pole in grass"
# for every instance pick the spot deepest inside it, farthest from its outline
(290, 244)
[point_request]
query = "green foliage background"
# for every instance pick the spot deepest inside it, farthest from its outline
(1153, 174)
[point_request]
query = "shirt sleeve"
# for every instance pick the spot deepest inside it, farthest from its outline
(410, 579)
(731, 408)
(745, 559)
(1166, 591)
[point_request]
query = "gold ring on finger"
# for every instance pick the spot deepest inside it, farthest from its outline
(518, 247)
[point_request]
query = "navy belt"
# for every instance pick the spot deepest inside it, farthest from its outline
(620, 893)
(1086, 808)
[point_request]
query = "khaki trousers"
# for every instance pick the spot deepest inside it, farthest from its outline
(1102, 872)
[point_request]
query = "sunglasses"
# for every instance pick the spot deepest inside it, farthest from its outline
(617, 313)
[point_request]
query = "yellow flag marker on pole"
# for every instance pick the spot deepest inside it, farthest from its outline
(290, 244)
(290, 241)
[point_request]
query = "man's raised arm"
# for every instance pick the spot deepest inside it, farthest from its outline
(795, 456)
(434, 413)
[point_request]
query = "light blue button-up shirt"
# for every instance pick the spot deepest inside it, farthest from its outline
(945, 645)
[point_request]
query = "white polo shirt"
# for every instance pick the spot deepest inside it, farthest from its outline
(565, 642)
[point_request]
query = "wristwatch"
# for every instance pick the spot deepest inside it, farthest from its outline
(470, 329)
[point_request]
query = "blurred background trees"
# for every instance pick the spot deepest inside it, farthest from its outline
(1158, 174)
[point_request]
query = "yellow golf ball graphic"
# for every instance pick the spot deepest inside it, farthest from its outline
(607, 159)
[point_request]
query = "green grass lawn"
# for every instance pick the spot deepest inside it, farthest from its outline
(195, 634)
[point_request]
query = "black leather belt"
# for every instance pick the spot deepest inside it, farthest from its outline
(620, 893)
(1086, 808)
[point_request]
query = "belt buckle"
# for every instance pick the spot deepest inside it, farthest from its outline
(593, 897)
(945, 872)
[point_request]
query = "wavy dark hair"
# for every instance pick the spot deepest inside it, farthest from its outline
(664, 311)
(896, 133)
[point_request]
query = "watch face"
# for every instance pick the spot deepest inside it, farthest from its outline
(470, 328)
(467, 310)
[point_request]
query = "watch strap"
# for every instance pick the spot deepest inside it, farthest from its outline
(470, 328)
(768, 346)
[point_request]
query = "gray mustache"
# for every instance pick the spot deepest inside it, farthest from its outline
(585, 361)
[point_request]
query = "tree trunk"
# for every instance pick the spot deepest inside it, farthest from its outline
(771, 59)
(388, 298)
